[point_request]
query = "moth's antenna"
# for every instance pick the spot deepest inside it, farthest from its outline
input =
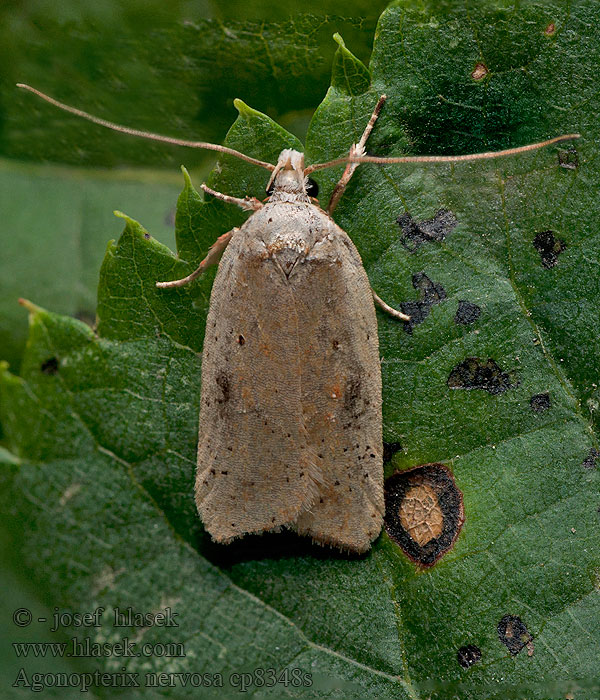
(439, 159)
(146, 134)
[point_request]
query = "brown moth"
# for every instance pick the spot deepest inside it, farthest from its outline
(290, 431)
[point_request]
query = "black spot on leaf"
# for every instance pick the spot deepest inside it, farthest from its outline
(466, 313)
(468, 655)
(423, 512)
(415, 234)
(590, 462)
(475, 373)
(568, 158)
(49, 366)
(548, 247)
(514, 634)
(390, 449)
(430, 292)
(540, 402)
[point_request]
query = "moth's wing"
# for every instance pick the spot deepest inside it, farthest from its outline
(341, 394)
(255, 470)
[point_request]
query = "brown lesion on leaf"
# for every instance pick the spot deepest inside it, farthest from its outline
(421, 515)
(550, 29)
(424, 512)
(480, 71)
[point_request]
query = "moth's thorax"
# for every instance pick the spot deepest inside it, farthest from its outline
(290, 230)
(287, 182)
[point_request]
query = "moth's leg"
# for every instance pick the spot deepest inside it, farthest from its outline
(247, 203)
(389, 309)
(357, 149)
(212, 258)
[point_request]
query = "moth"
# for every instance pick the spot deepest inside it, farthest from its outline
(290, 427)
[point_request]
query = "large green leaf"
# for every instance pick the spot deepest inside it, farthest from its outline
(104, 426)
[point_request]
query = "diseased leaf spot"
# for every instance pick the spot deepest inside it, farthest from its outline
(550, 29)
(466, 313)
(475, 373)
(390, 449)
(423, 512)
(514, 634)
(49, 366)
(241, 340)
(420, 514)
(479, 72)
(590, 462)
(431, 293)
(415, 234)
(468, 655)
(568, 158)
(548, 247)
(540, 402)
(147, 236)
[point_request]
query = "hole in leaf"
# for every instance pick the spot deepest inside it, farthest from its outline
(423, 512)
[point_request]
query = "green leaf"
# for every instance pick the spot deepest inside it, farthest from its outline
(101, 500)
(56, 222)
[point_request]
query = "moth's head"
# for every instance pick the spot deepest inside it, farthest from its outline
(288, 182)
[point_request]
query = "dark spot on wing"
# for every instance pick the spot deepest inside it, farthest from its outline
(223, 382)
(423, 512)
(475, 373)
(353, 401)
(548, 247)
(414, 234)
(466, 313)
